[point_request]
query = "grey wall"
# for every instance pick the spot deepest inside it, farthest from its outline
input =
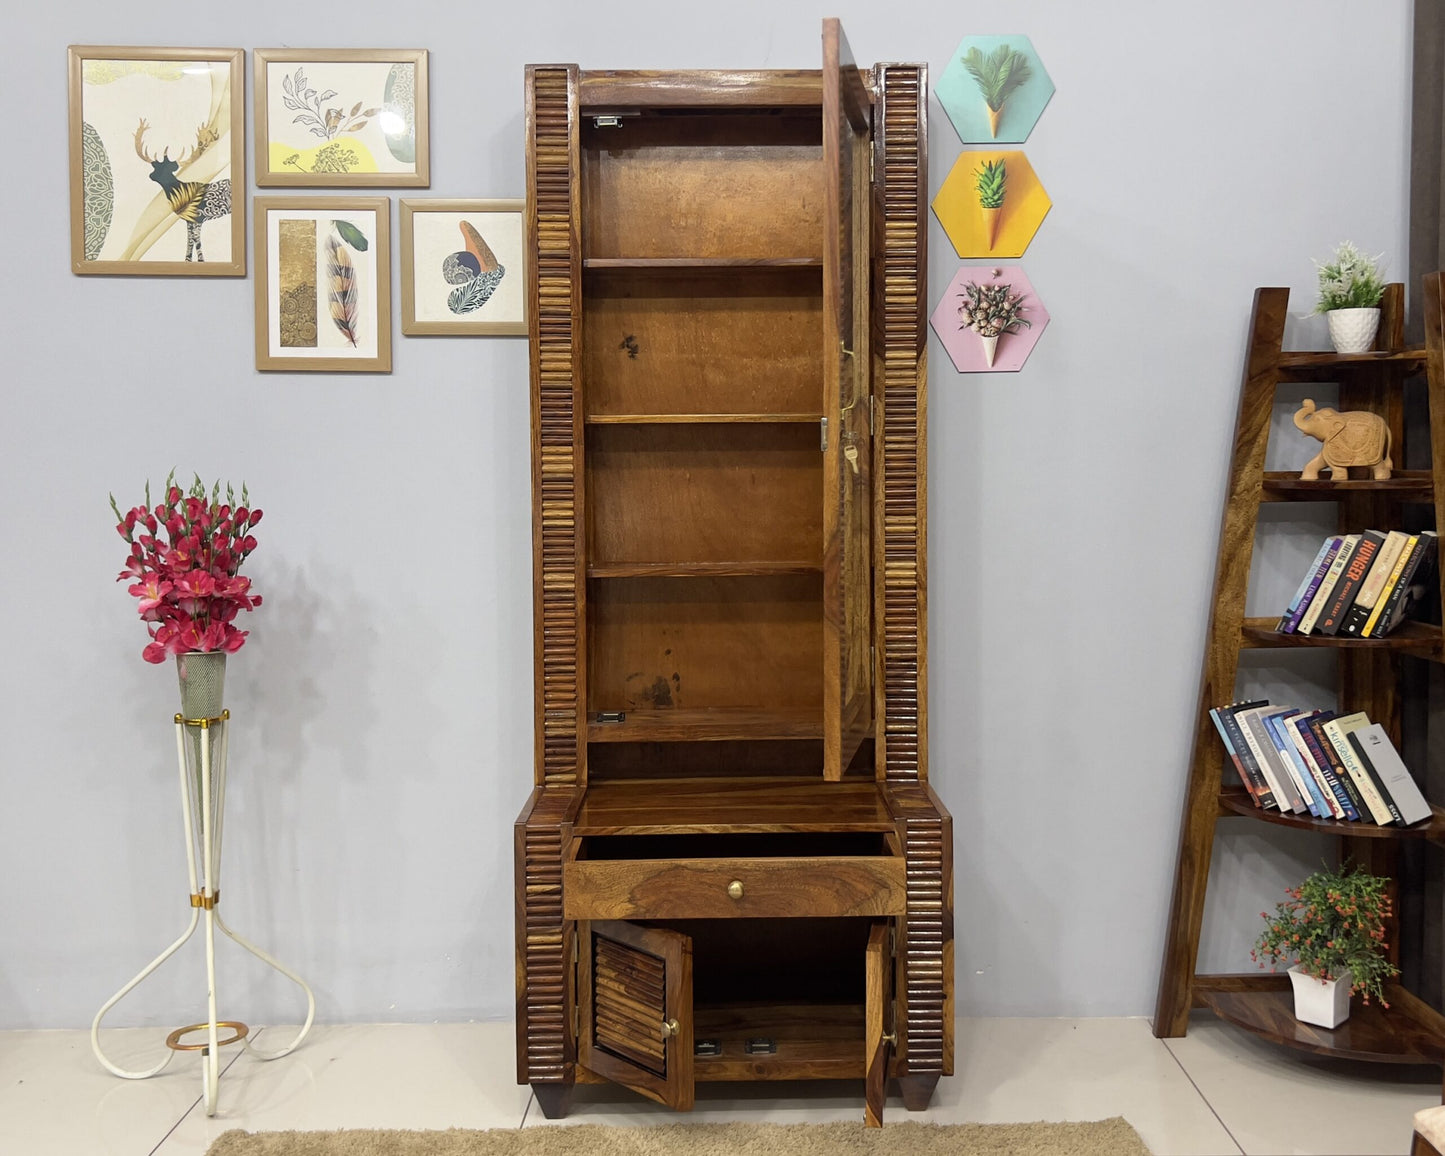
(382, 737)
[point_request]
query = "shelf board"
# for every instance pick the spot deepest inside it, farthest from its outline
(1408, 485)
(1419, 637)
(699, 569)
(655, 263)
(814, 1041)
(730, 806)
(1237, 801)
(703, 418)
(1408, 1032)
(1316, 365)
(718, 724)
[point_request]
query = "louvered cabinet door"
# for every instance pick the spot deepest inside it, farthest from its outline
(636, 1000)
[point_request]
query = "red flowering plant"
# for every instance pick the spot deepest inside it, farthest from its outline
(1334, 924)
(184, 563)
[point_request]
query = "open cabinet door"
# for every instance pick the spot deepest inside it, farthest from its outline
(877, 1014)
(635, 988)
(847, 409)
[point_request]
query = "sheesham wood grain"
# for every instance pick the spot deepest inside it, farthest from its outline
(1237, 801)
(612, 89)
(878, 968)
(731, 806)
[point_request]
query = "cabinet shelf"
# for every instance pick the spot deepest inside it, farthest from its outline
(1407, 485)
(699, 569)
(1236, 801)
(655, 264)
(703, 418)
(762, 805)
(1408, 1032)
(717, 724)
(1415, 637)
(1317, 365)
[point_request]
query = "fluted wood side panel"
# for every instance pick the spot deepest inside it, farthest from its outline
(546, 1050)
(560, 591)
(900, 288)
(926, 954)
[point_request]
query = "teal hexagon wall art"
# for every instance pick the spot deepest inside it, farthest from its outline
(994, 89)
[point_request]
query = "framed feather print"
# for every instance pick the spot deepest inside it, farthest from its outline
(463, 268)
(341, 118)
(157, 146)
(323, 284)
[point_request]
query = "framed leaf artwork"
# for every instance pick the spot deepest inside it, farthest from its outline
(341, 118)
(323, 284)
(157, 146)
(463, 268)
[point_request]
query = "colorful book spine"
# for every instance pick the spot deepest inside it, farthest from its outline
(1321, 599)
(1369, 592)
(1394, 778)
(1338, 731)
(1307, 734)
(1362, 753)
(1307, 761)
(1255, 780)
(1309, 790)
(1406, 593)
(1391, 583)
(1330, 755)
(1353, 576)
(1312, 579)
(1280, 780)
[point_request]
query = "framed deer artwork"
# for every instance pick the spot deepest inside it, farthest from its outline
(341, 118)
(157, 146)
(323, 284)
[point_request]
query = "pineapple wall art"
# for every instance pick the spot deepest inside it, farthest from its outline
(994, 89)
(989, 319)
(991, 204)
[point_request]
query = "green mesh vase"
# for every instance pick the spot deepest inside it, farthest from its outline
(203, 683)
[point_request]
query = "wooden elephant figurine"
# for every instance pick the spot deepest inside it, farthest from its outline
(1353, 438)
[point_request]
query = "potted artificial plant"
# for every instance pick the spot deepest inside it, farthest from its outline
(991, 310)
(1350, 290)
(1333, 927)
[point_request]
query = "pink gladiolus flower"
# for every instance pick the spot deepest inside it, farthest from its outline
(151, 592)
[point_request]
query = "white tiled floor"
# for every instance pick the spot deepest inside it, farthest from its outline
(1218, 1092)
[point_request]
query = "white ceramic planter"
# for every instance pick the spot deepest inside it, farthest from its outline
(1353, 330)
(1324, 1003)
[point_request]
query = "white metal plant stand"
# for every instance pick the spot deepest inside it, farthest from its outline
(210, 808)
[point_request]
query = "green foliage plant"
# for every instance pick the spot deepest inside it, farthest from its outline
(1351, 280)
(1333, 924)
(998, 74)
(991, 181)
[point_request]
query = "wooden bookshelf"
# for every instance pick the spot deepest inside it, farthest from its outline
(703, 418)
(654, 264)
(1368, 672)
(699, 569)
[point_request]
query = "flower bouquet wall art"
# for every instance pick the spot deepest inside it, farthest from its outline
(989, 320)
(157, 139)
(463, 267)
(323, 284)
(341, 118)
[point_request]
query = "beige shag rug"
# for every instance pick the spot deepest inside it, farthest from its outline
(1102, 1138)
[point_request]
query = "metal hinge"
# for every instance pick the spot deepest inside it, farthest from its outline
(870, 415)
(823, 422)
(607, 121)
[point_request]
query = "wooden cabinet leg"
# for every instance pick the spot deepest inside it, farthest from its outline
(555, 1100)
(918, 1090)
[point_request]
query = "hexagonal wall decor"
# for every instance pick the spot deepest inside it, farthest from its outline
(968, 347)
(991, 204)
(994, 89)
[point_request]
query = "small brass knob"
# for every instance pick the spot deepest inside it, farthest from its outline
(670, 1028)
(735, 889)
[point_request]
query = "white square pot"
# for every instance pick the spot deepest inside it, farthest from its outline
(1322, 1002)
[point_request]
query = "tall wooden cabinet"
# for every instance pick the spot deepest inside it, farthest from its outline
(732, 866)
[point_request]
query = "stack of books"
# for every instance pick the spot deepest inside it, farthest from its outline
(1362, 585)
(1332, 766)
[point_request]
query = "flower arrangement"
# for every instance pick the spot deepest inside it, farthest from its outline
(991, 309)
(1333, 923)
(1351, 280)
(184, 563)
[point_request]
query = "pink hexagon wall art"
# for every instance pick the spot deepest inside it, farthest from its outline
(972, 319)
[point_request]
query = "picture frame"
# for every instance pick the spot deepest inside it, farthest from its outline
(323, 284)
(464, 267)
(375, 136)
(135, 211)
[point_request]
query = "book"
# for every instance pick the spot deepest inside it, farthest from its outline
(1281, 782)
(1390, 584)
(1344, 805)
(1323, 748)
(1326, 587)
(1351, 578)
(1309, 790)
(1338, 731)
(1369, 592)
(1392, 777)
(1411, 588)
(1239, 752)
(1369, 768)
(1307, 761)
(1311, 582)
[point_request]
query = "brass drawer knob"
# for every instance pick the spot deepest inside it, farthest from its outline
(670, 1029)
(735, 889)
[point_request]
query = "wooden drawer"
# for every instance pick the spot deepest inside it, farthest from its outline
(603, 881)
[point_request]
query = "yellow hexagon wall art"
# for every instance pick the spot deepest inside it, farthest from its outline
(991, 203)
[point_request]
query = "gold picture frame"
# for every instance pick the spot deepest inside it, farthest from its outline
(376, 135)
(463, 267)
(134, 210)
(323, 284)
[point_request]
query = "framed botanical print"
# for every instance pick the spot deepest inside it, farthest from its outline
(323, 284)
(157, 161)
(463, 267)
(341, 118)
